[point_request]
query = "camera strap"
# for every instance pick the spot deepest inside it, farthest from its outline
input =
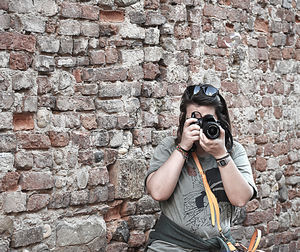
(215, 212)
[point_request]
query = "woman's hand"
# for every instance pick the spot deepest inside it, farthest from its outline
(215, 147)
(190, 134)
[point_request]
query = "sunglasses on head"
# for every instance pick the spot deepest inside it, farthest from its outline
(206, 89)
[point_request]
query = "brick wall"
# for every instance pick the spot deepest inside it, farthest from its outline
(90, 87)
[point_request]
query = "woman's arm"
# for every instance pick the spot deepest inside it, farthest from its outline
(161, 183)
(237, 189)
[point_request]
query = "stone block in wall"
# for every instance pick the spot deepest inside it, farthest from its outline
(60, 200)
(127, 175)
(137, 17)
(153, 54)
(36, 181)
(8, 142)
(152, 36)
(79, 198)
(90, 29)
(23, 80)
(70, 10)
(114, 16)
(48, 44)
(132, 31)
(90, 12)
(30, 104)
(100, 138)
(4, 59)
(6, 120)
(110, 106)
(37, 202)
(33, 23)
(21, 6)
(105, 74)
(81, 230)
(46, 7)
(69, 27)
(142, 136)
(132, 57)
(23, 160)
(44, 63)
(33, 141)
(26, 237)
(98, 194)
(125, 2)
(14, 202)
(66, 45)
(151, 71)
(154, 19)
(6, 226)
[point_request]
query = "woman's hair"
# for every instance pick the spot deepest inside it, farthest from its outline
(201, 99)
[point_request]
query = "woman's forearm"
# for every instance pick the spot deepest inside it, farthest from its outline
(161, 183)
(236, 187)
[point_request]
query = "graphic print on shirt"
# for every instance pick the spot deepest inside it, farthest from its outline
(196, 206)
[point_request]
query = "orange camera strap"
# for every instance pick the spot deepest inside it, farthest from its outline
(215, 212)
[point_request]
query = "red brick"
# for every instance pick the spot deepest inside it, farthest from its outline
(98, 177)
(151, 71)
(81, 139)
(20, 61)
(141, 136)
(288, 53)
(151, 4)
(90, 12)
(260, 164)
(277, 112)
(85, 157)
(36, 181)
(214, 11)
(165, 120)
(275, 53)
(241, 4)
(23, 121)
(112, 16)
(128, 208)
(231, 87)
(136, 239)
(220, 65)
(59, 139)
(37, 202)
(10, 181)
(280, 149)
(77, 74)
(33, 141)
(262, 139)
(214, 51)
(258, 217)
(252, 205)
(4, 4)
(266, 101)
(297, 53)
(16, 41)
(261, 25)
(88, 121)
(181, 31)
(268, 149)
(110, 156)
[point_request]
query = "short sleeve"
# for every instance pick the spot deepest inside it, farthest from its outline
(161, 154)
(241, 160)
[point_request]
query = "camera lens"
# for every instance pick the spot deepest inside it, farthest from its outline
(212, 131)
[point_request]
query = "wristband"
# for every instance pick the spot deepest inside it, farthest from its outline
(184, 152)
(226, 156)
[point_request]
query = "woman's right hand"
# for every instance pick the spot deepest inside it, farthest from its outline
(190, 134)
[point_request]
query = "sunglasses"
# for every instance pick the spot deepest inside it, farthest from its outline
(206, 89)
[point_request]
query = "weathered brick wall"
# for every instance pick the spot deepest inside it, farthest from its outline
(89, 88)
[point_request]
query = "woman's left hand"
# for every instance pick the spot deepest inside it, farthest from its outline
(215, 147)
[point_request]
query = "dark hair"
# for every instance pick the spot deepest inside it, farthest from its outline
(202, 99)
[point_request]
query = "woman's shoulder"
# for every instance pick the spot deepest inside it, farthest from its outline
(237, 148)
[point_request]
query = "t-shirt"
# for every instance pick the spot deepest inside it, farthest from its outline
(188, 205)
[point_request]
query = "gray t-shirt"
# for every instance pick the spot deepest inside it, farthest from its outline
(188, 205)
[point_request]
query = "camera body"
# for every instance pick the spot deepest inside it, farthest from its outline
(209, 125)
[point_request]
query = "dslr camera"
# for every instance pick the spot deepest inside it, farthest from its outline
(208, 124)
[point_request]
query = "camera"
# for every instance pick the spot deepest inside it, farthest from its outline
(208, 124)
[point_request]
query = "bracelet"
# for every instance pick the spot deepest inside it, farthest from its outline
(226, 156)
(184, 153)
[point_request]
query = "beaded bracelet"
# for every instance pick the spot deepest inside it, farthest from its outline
(184, 153)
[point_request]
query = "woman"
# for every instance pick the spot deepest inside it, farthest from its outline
(174, 180)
